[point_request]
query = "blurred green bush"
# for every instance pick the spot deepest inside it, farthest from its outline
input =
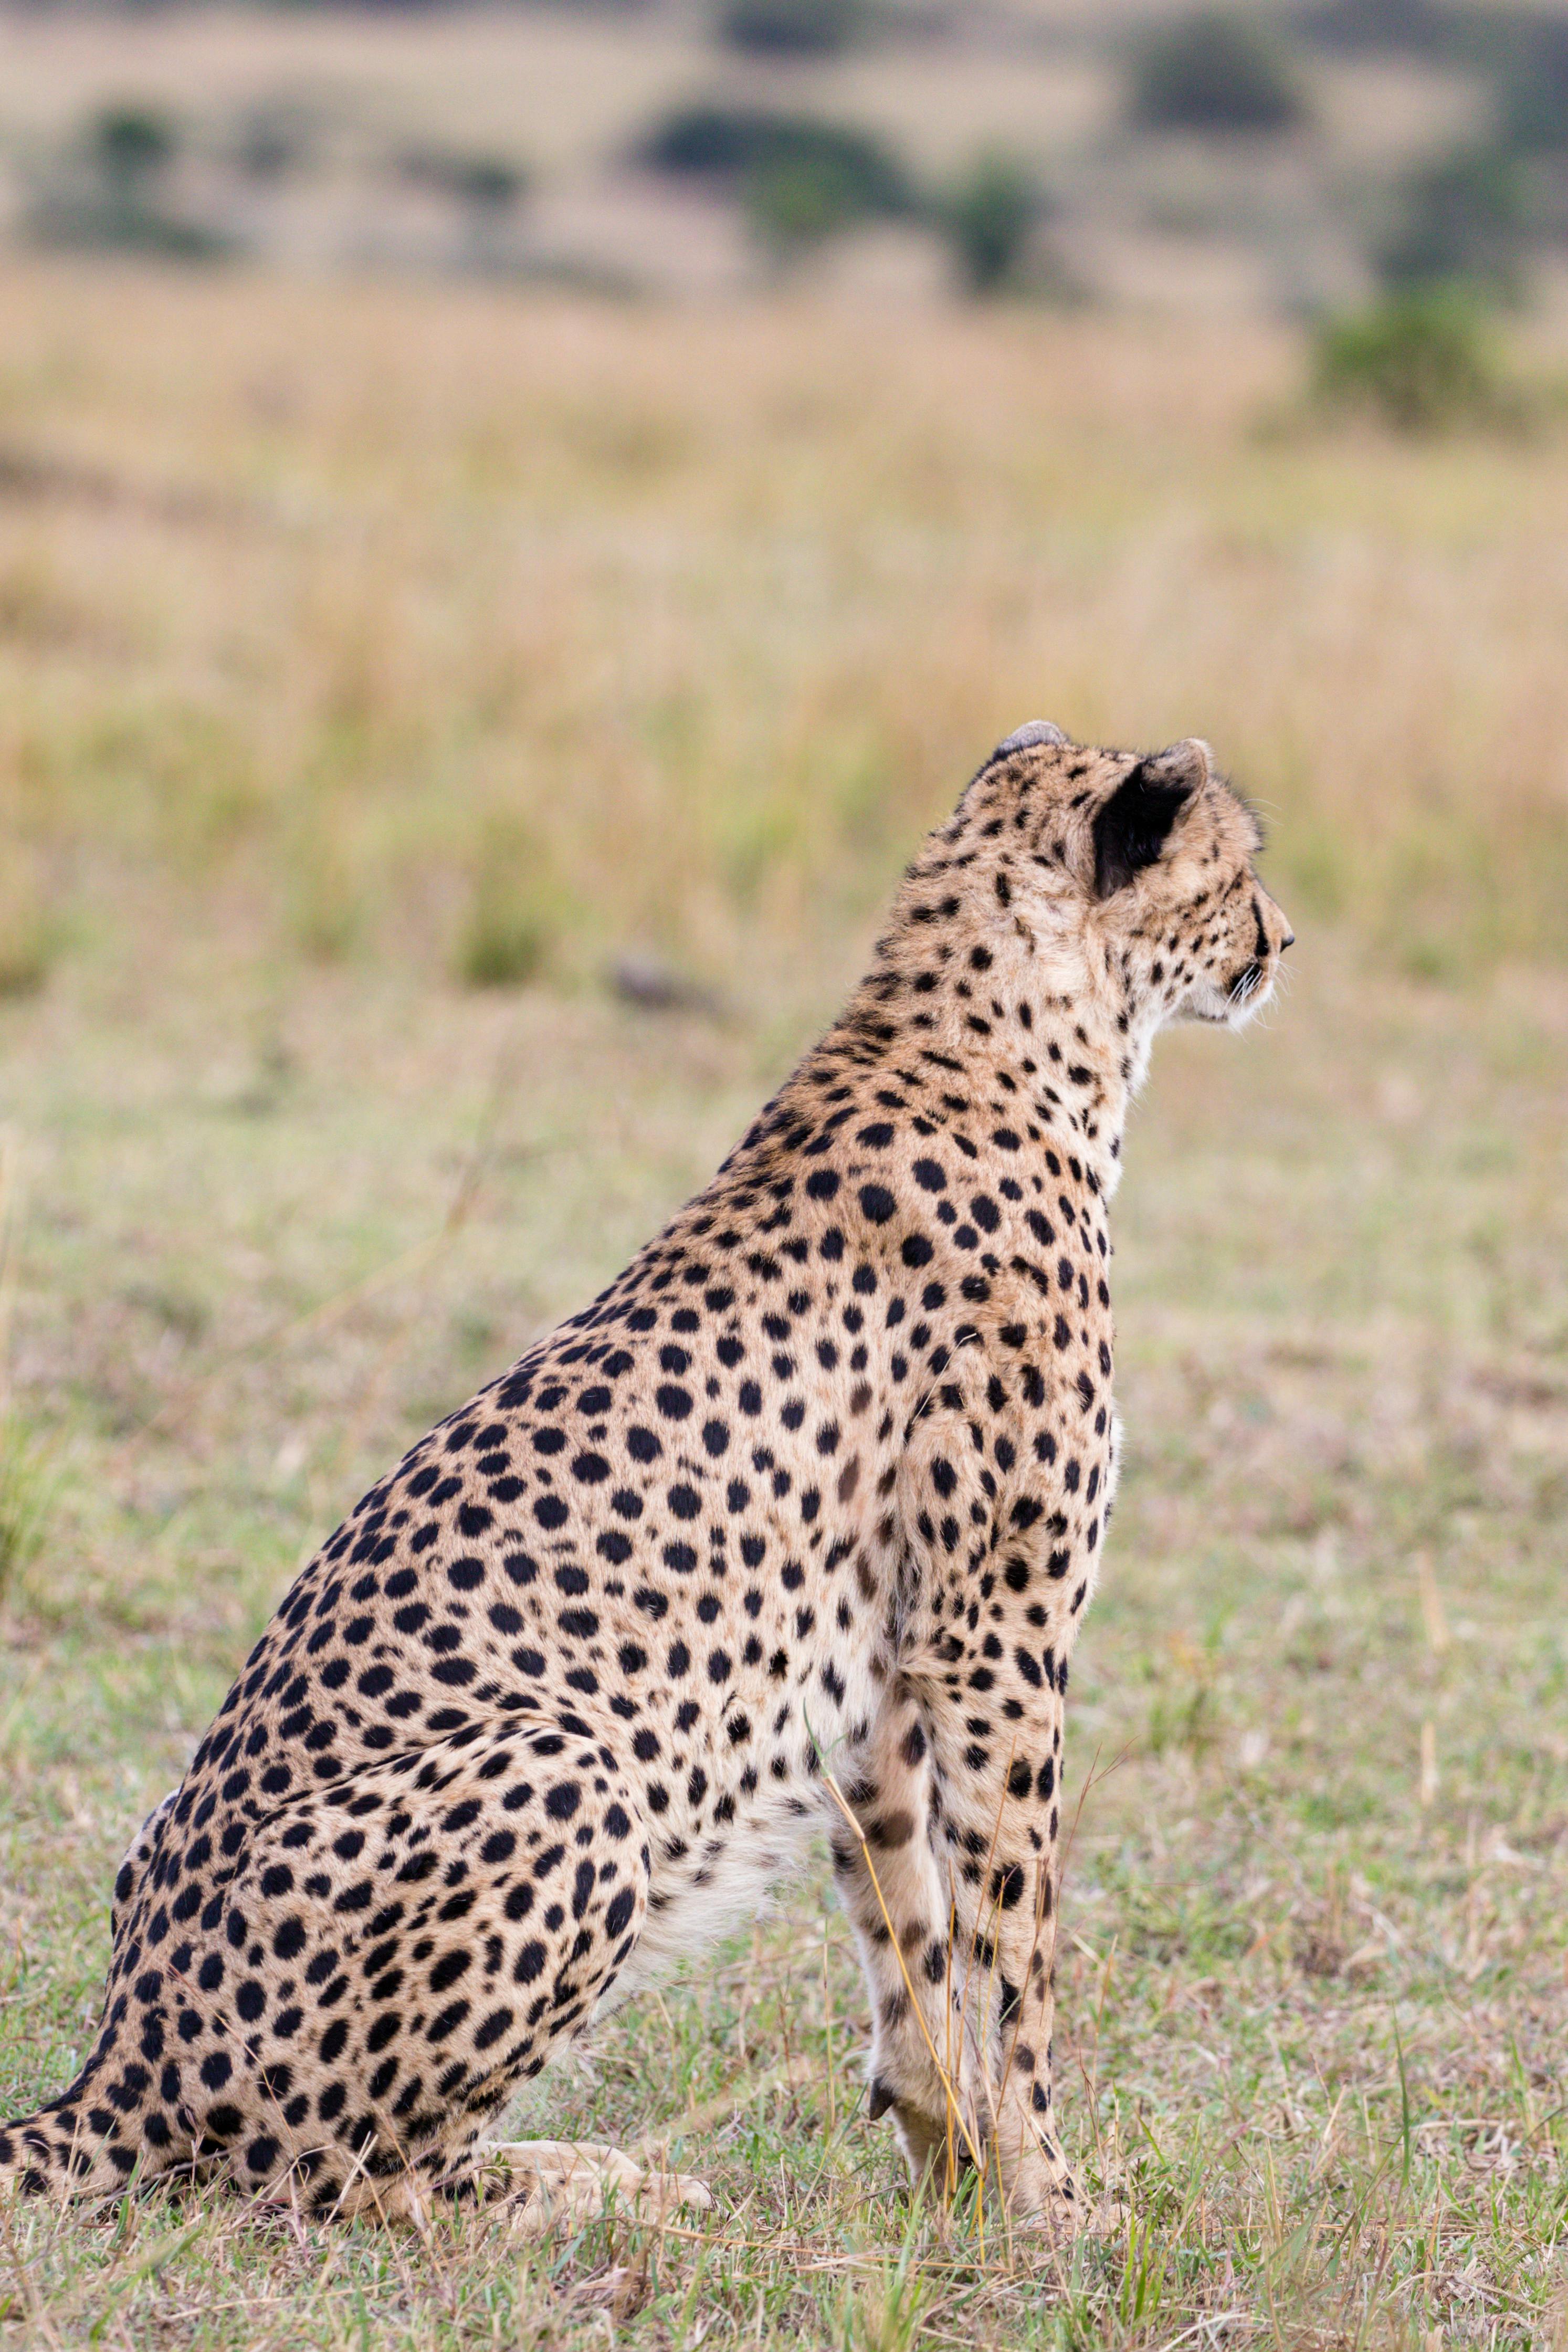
(116, 197)
(1415, 29)
(741, 144)
(988, 217)
(1533, 84)
(1216, 72)
(1420, 362)
(803, 29)
(486, 183)
(1463, 220)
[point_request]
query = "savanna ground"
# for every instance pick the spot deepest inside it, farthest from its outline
(376, 667)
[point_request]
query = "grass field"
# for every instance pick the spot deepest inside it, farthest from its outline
(356, 642)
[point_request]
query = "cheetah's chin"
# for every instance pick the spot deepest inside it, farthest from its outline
(1218, 1009)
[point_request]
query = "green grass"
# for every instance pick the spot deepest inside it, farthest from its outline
(676, 641)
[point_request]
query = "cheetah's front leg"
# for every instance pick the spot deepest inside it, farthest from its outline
(998, 1819)
(925, 2061)
(997, 1573)
(957, 1959)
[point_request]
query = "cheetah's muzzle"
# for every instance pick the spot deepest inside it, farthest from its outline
(797, 1521)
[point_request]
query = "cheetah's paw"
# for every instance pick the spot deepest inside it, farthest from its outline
(546, 2182)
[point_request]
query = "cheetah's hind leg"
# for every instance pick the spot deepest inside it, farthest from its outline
(546, 2182)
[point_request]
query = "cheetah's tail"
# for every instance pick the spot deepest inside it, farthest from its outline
(92, 2140)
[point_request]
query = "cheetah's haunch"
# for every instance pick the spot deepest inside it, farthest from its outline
(796, 1522)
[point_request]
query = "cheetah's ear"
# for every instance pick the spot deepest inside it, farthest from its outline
(1024, 738)
(1135, 824)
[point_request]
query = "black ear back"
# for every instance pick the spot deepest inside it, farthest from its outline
(1132, 828)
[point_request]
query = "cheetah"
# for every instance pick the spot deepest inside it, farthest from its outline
(793, 1526)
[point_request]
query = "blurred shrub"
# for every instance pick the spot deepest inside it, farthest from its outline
(272, 139)
(1522, 51)
(29, 940)
(794, 205)
(116, 200)
(1418, 363)
(131, 146)
(509, 923)
(484, 184)
(1215, 73)
(988, 217)
(1533, 84)
(489, 184)
(1462, 221)
(749, 146)
(1413, 29)
(504, 940)
(27, 946)
(24, 1500)
(485, 190)
(800, 28)
(325, 907)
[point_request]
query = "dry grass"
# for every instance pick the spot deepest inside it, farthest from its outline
(323, 610)
(319, 604)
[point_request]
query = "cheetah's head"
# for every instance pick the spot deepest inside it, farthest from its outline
(1138, 870)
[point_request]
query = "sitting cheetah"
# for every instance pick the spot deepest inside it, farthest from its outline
(796, 1523)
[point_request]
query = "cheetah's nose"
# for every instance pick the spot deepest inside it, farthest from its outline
(1288, 942)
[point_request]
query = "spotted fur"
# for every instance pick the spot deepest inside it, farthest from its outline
(816, 1487)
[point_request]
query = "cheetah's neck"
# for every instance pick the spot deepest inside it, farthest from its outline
(1016, 1037)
